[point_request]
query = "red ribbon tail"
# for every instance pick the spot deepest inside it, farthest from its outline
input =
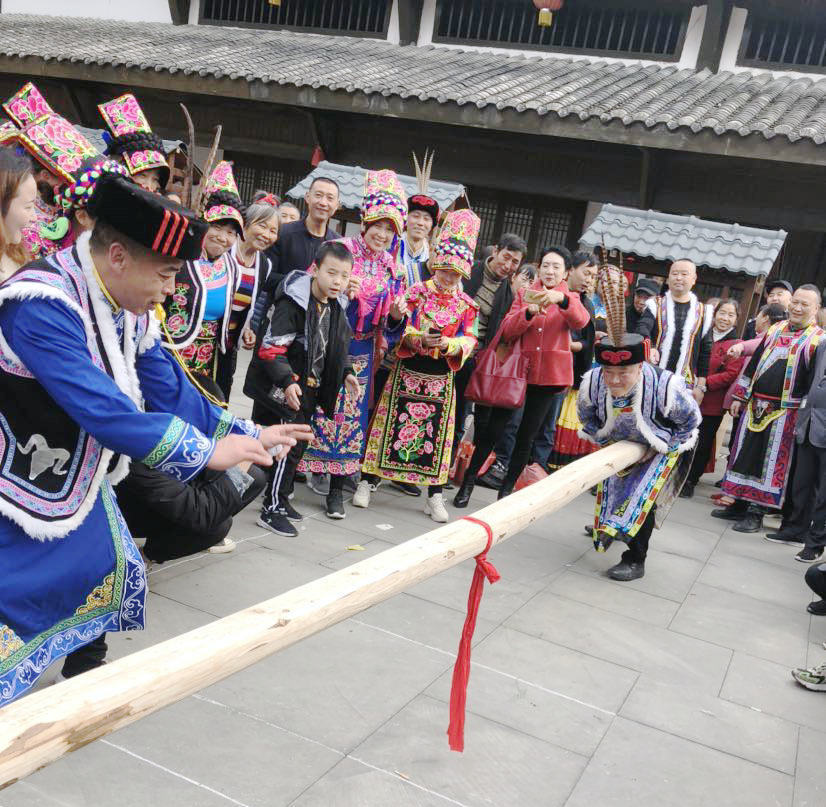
(461, 669)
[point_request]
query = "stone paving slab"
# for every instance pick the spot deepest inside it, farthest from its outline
(639, 765)
(500, 765)
(743, 623)
(711, 721)
(769, 687)
(353, 783)
(672, 690)
(810, 784)
(637, 645)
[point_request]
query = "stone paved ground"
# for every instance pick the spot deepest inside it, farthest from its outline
(671, 691)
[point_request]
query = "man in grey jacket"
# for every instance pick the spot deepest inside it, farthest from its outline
(806, 523)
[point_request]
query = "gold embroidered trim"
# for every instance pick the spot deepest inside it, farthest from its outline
(100, 597)
(10, 642)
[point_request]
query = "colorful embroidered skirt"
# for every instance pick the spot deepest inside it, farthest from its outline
(625, 499)
(56, 596)
(761, 456)
(337, 446)
(568, 445)
(411, 436)
(201, 355)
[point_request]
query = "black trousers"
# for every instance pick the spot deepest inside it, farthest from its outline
(460, 382)
(180, 519)
(806, 514)
(85, 658)
(538, 403)
(225, 371)
(638, 548)
(816, 579)
(705, 444)
(281, 475)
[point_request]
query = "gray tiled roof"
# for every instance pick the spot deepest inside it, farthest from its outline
(95, 137)
(650, 234)
(350, 179)
(650, 95)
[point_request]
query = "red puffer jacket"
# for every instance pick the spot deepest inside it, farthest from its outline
(722, 372)
(546, 337)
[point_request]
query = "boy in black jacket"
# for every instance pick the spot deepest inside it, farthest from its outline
(300, 362)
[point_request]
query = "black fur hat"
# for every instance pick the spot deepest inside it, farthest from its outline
(148, 218)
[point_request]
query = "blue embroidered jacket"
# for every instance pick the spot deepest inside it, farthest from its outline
(83, 389)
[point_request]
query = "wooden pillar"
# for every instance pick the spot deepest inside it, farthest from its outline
(410, 19)
(752, 292)
(179, 11)
(718, 15)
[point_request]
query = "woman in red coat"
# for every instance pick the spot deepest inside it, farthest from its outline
(722, 372)
(541, 320)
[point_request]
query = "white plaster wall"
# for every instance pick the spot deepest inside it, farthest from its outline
(194, 11)
(142, 11)
(393, 34)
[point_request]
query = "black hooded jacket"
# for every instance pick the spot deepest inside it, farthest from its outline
(267, 378)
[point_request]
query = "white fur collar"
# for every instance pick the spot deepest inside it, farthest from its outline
(122, 362)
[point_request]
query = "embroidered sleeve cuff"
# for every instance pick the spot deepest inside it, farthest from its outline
(245, 427)
(182, 452)
(229, 424)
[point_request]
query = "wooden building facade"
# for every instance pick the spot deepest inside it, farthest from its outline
(540, 124)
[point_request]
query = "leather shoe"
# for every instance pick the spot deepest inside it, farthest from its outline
(818, 608)
(407, 488)
(728, 514)
(490, 480)
(462, 497)
(784, 538)
(626, 571)
(751, 522)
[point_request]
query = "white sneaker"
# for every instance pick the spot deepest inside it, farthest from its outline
(361, 498)
(434, 507)
(222, 547)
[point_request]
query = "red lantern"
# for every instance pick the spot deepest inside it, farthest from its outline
(546, 9)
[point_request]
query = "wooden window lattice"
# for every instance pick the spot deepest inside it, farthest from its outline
(771, 41)
(642, 32)
(359, 17)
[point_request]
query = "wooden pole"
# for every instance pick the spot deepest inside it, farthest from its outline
(54, 721)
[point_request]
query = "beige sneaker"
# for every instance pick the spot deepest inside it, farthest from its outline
(361, 498)
(222, 547)
(434, 507)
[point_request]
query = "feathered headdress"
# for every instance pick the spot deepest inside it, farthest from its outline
(192, 197)
(620, 347)
(421, 200)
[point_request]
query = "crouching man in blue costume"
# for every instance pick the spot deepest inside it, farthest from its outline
(627, 398)
(84, 387)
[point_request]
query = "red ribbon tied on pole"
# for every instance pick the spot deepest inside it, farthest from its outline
(461, 670)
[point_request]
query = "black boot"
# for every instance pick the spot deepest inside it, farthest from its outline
(752, 521)
(733, 512)
(505, 490)
(625, 571)
(688, 491)
(462, 497)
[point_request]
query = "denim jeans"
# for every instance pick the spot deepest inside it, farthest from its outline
(504, 447)
(544, 443)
